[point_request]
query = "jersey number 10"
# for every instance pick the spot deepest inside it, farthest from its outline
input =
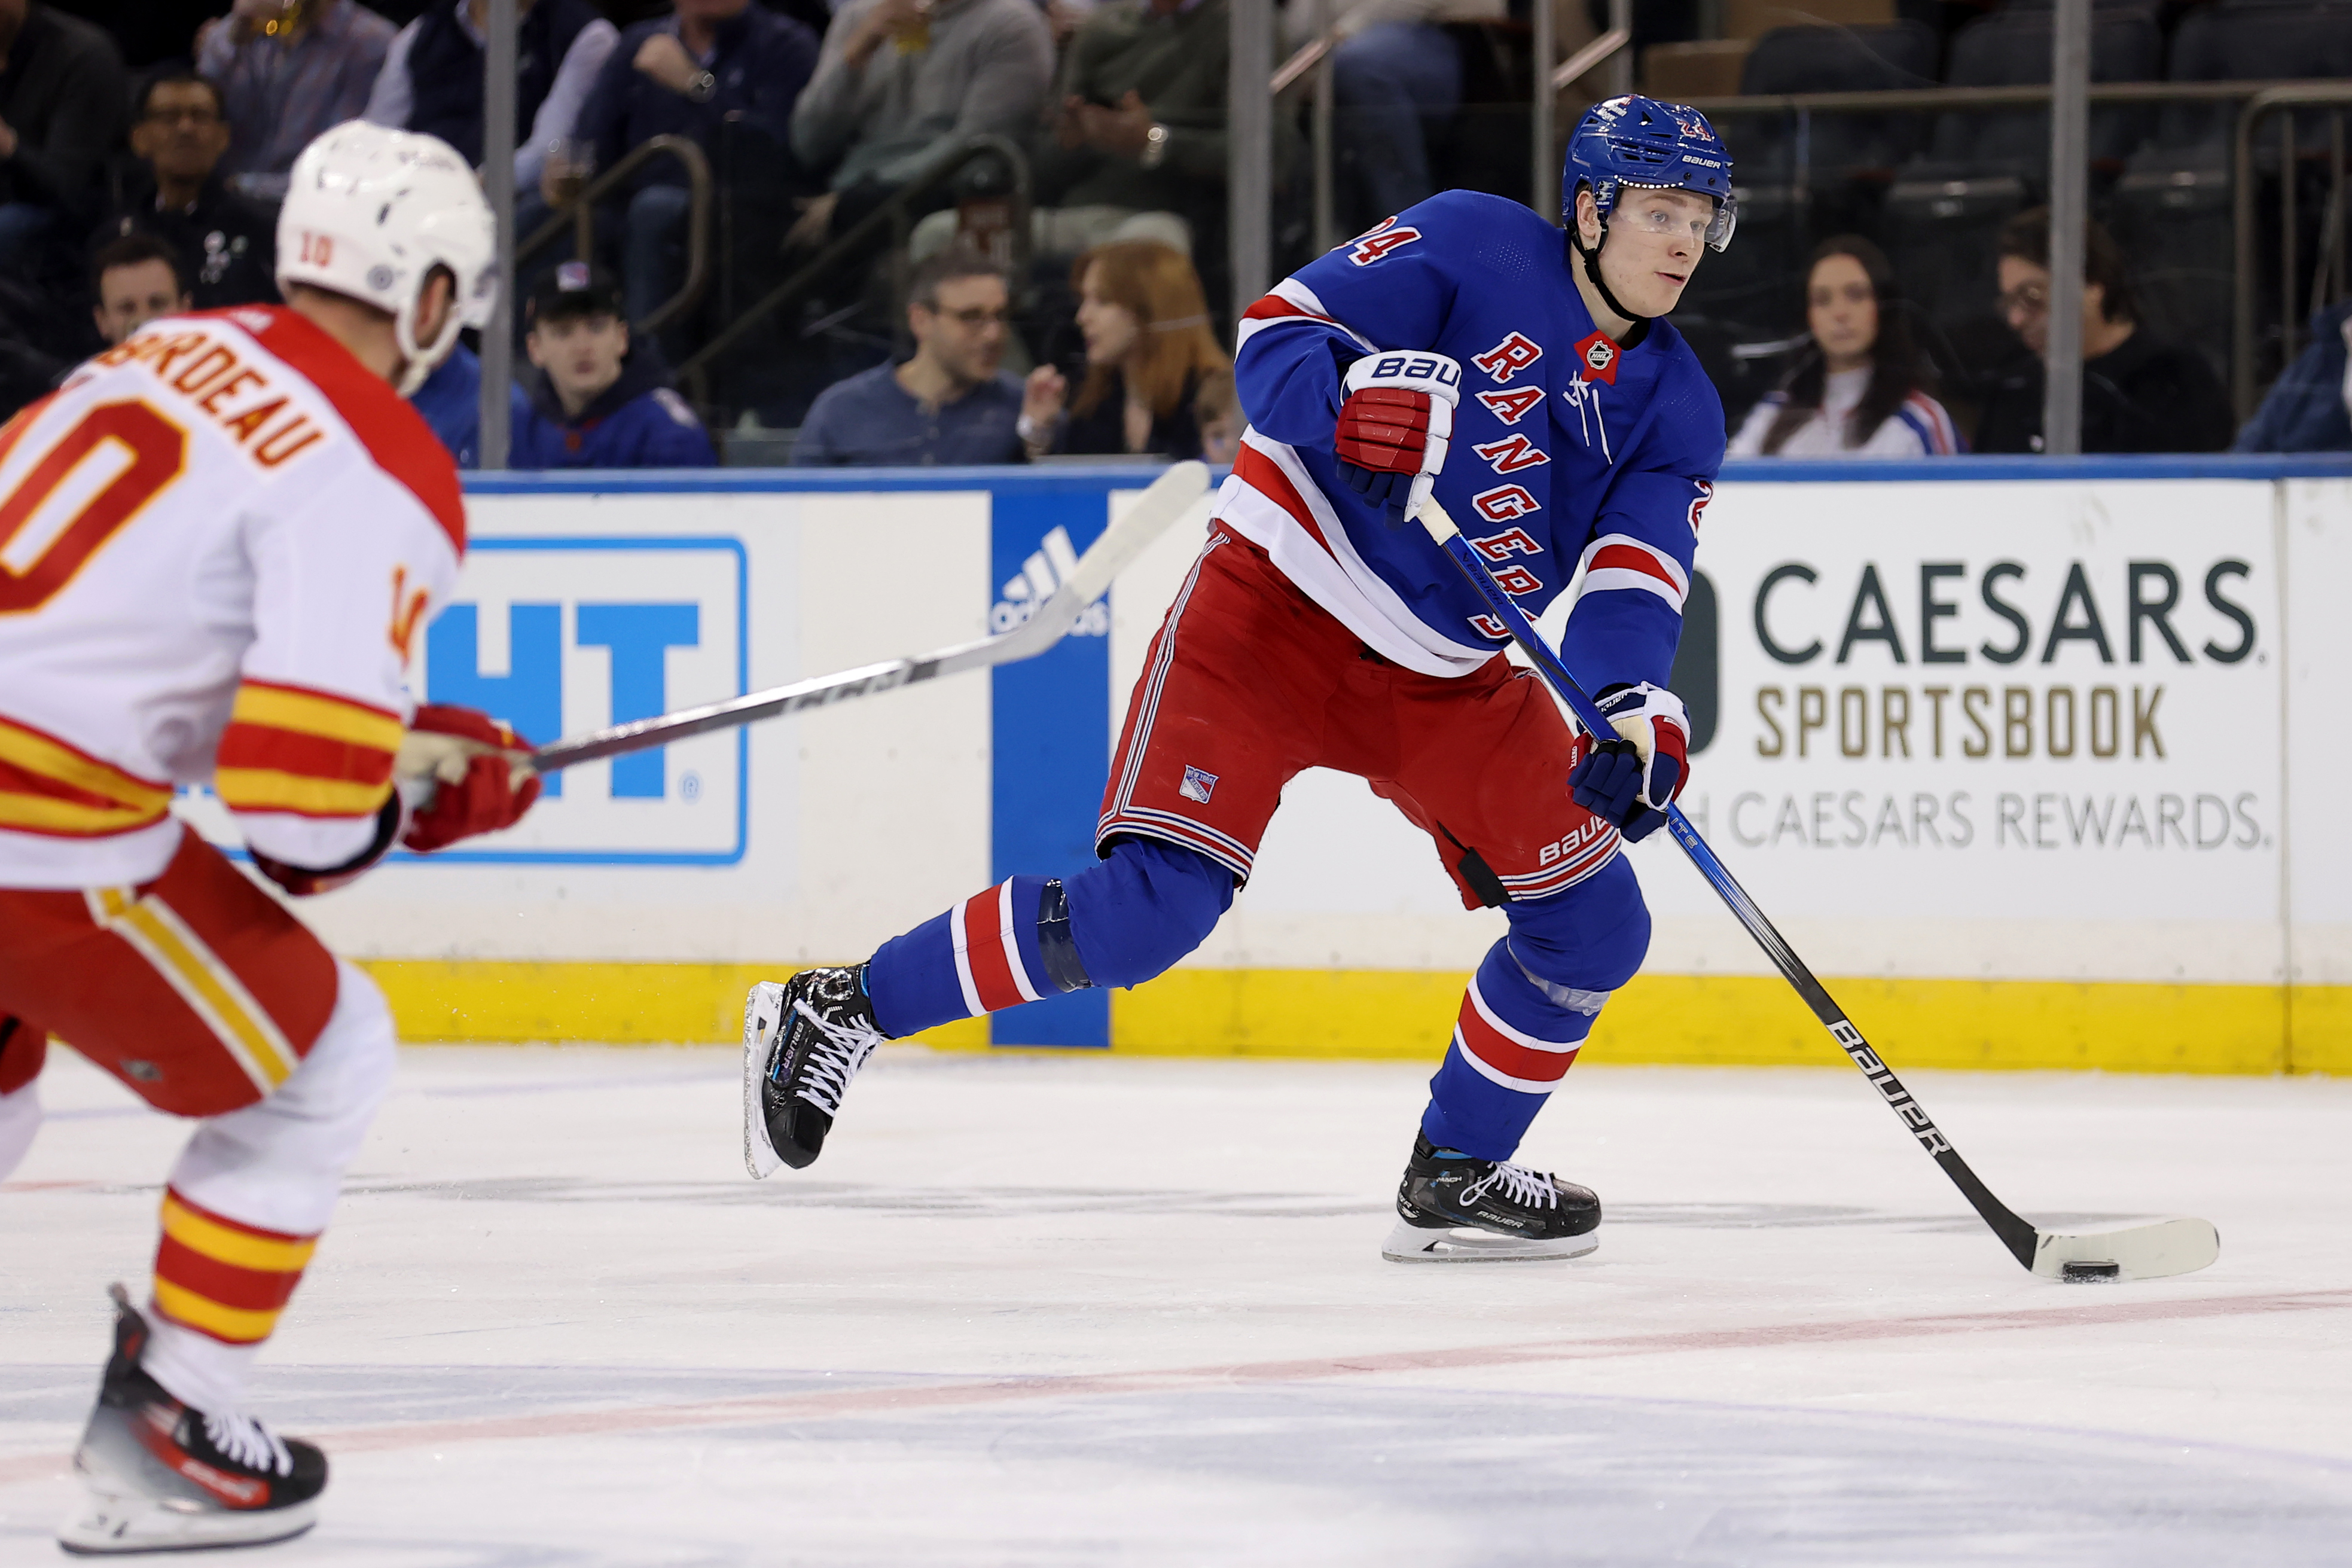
(73, 497)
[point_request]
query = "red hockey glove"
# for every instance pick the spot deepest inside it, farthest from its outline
(477, 766)
(1394, 423)
(1630, 779)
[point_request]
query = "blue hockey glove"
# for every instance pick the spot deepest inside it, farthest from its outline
(1630, 779)
(1395, 420)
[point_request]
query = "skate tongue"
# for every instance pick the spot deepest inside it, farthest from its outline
(249, 1443)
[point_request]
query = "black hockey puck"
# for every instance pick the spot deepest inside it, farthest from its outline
(2075, 1272)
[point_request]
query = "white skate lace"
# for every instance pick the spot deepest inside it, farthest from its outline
(249, 1443)
(834, 1060)
(1533, 1189)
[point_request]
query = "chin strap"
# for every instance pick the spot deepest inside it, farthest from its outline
(1592, 270)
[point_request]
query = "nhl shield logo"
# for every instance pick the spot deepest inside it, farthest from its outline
(1197, 785)
(1597, 358)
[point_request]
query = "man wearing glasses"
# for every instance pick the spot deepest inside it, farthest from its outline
(2141, 392)
(228, 251)
(951, 403)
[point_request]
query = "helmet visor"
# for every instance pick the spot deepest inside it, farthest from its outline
(1664, 218)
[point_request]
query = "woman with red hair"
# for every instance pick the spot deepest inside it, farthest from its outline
(1150, 346)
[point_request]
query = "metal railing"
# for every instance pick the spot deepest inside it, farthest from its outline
(893, 214)
(581, 218)
(2331, 261)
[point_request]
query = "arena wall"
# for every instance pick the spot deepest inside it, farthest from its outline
(2043, 763)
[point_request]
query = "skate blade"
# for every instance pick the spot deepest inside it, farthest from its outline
(764, 1014)
(1467, 1243)
(126, 1526)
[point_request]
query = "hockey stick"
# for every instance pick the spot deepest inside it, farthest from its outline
(1168, 498)
(2141, 1252)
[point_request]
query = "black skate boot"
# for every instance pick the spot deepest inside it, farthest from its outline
(1455, 1209)
(804, 1040)
(165, 1478)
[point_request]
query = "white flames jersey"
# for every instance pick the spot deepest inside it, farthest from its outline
(218, 544)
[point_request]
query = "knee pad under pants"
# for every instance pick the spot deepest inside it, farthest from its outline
(1118, 922)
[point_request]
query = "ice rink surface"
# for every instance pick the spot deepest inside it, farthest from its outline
(1070, 1310)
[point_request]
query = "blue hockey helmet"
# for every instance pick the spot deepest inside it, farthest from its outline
(1650, 143)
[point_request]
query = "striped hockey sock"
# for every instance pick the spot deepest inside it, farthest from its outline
(219, 1287)
(1512, 1044)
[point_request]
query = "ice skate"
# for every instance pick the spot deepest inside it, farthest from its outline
(163, 1477)
(1483, 1211)
(804, 1040)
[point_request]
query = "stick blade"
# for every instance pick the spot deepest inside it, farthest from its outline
(2142, 1252)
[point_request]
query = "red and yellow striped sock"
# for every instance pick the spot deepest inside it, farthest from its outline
(224, 1278)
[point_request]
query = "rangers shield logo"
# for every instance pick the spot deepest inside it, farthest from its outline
(1197, 785)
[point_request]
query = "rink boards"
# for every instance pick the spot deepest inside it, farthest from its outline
(2044, 761)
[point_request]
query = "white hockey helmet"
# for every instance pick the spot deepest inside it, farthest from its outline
(370, 212)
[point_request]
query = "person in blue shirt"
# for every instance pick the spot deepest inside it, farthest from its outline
(950, 402)
(1469, 348)
(686, 74)
(594, 405)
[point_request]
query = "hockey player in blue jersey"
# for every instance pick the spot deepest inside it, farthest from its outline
(1469, 347)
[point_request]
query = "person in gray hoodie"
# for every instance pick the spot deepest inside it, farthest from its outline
(901, 80)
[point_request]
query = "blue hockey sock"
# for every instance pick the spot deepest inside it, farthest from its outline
(1118, 922)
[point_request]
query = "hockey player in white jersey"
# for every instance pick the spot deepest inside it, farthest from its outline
(218, 541)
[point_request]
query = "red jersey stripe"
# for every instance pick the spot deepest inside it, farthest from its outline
(1264, 475)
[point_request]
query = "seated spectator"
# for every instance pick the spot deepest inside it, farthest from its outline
(594, 405)
(1149, 349)
(227, 244)
(682, 75)
(1138, 145)
(2309, 408)
(951, 403)
(289, 69)
(139, 279)
(1217, 408)
(63, 97)
(2140, 393)
(1396, 79)
(451, 402)
(1855, 389)
(432, 77)
(876, 116)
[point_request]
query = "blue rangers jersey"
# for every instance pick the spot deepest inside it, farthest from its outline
(1568, 453)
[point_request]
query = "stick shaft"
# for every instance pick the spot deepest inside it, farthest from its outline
(2014, 1232)
(1158, 506)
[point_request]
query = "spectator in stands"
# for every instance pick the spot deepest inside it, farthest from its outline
(432, 76)
(1137, 148)
(2140, 393)
(139, 279)
(63, 99)
(451, 401)
(1217, 409)
(682, 75)
(902, 80)
(1396, 74)
(289, 69)
(1149, 349)
(2309, 408)
(951, 403)
(1855, 390)
(594, 405)
(227, 244)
